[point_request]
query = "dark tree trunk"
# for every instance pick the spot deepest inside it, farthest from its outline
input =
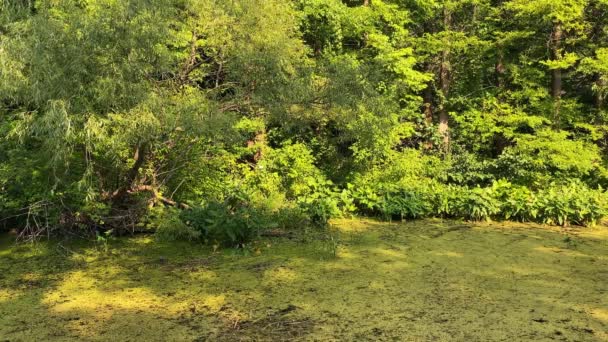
(428, 104)
(499, 70)
(600, 95)
(499, 66)
(140, 157)
(598, 37)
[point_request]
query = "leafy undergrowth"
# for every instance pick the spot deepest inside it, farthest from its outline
(426, 280)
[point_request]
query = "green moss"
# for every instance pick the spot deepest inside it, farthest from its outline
(364, 280)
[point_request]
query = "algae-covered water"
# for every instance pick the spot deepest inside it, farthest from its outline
(364, 280)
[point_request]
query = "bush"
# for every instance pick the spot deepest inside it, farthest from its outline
(469, 169)
(295, 166)
(404, 204)
(537, 160)
(283, 190)
(238, 219)
(288, 181)
(559, 204)
(572, 203)
(291, 217)
(518, 203)
(232, 222)
(323, 202)
(169, 227)
(320, 210)
(478, 204)
(445, 198)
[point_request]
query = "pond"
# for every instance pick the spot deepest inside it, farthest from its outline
(361, 280)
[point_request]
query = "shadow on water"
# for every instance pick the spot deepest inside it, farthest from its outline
(421, 280)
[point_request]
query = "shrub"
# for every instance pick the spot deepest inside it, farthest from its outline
(477, 204)
(238, 219)
(231, 222)
(288, 176)
(445, 199)
(322, 202)
(537, 160)
(320, 210)
(404, 204)
(520, 204)
(571, 203)
(468, 169)
(169, 227)
(291, 217)
(366, 198)
(295, 165)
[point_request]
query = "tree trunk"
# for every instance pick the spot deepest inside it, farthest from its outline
(427, 96)
(444, 82)
(444, 126)
(140, 157)
(556, 74)
(428, 104)
(599, 37)
(600, 94)
(428, 93)
(499, 70)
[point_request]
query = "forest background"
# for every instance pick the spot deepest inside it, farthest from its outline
(218, 120)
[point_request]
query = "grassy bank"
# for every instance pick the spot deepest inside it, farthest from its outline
(365, 280)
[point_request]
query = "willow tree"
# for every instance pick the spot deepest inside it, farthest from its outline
(105, 103)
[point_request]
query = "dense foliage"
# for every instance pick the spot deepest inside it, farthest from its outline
(216, 120)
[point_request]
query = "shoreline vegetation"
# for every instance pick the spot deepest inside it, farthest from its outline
(217, 121)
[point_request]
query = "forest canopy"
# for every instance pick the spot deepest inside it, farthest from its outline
(216, 120)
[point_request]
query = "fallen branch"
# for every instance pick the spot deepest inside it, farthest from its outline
(158, 196)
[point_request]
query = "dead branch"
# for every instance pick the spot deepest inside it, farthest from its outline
(157, 196)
